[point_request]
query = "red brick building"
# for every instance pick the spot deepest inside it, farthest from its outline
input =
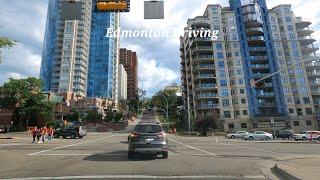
(129, 60)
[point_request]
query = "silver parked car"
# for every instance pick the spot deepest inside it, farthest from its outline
(259, 135)
(237, 135)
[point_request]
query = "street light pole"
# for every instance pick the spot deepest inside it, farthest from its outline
(167, 106)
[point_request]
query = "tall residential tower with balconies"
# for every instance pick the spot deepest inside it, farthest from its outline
(254, 43)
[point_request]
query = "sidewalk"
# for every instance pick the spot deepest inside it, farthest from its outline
(302, 168)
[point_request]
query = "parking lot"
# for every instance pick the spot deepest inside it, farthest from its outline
(104, 155)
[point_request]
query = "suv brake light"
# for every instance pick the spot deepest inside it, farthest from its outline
(134, 134)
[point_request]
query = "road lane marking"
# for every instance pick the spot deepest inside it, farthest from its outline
(191, 147)
(145, 177)
(70, 145)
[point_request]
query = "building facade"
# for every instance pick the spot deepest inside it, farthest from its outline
(253, 43)
(77, 57)
(129, 60)
(122, 83)
(173, 87)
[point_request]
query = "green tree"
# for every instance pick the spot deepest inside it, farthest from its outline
(118, 117)
(5, 43)
(74, 116)
(28, 104)
(93, 117)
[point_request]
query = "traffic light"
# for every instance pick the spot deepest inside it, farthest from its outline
(113, 5)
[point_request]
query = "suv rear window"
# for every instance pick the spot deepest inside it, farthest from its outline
(148, 128)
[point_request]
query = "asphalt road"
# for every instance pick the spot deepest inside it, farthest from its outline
(104, 156)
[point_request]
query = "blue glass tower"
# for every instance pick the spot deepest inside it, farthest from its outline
(49, 44)
(102, 54)
(258, 52)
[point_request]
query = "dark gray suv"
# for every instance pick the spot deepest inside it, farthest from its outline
(148, 138)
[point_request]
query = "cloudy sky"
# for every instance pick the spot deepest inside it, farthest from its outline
(159, 61)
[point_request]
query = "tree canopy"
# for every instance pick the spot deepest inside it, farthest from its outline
(5, 43)
(25, 99)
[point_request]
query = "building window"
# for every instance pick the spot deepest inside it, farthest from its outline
(299, 111)
(288, 19)
(273, 19)
(215, 11)
(227, 114)
(215, 20)
(239, 72)
(291, 111)
(235, 45)
(244, 125)
(292, 36)
(243, 101)
(225, 102)
(241, 91)
(306, 100)
(237, 54)
(245, 112)
(221, 64)
(223, 83)
(231, 126)
(309, 123)
(220, 55)
(236, 113)
(296, 54)
(222, 73)
(296, 123)
(224, 92)
(308, 111)
(234, 37)
(289, 99)
(219, 46)
(240, 81)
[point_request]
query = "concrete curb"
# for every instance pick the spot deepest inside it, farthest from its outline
(284, 173)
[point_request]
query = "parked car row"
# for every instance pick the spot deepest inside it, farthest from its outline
(257, 135)
(280, 134)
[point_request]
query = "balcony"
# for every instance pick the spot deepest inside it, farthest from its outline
(201, 39)
(204, 76)
(267, 95)
(305, 31)
(206, 87)
(203, 67)
(200, 22)
(309, 48)
(258, 31)
(266, 104)
(315, 83)
(203, 59)
(313, 74)
(302, 23)
(260, 75)
(315, 93)
(207, 106)
(306, 40)
(256, 40)
(260, 66)
(207, 96)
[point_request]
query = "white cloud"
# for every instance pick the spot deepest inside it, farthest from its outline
(153, 77)
(19, 62)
